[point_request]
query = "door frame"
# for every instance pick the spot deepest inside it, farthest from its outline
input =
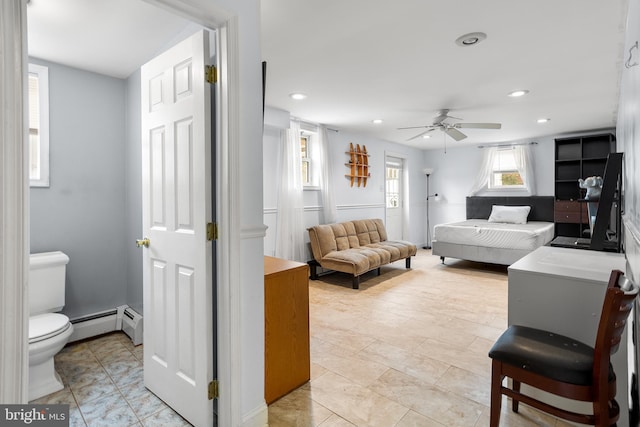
(405, 189)
(227, 130)
(15, 220)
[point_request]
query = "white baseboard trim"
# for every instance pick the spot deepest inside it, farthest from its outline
(259, 417)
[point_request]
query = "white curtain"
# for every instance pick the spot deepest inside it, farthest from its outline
(289, 226)
(524, 162)
(326, 178)
(482, 180)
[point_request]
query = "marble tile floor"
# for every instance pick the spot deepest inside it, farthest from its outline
(103, 381)
(409, 348)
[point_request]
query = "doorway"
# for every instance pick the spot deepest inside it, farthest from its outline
(220, 154)
(394, 196)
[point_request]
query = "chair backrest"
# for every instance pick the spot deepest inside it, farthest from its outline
(618, 302)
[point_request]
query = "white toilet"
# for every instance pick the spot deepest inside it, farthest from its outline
(48, 331)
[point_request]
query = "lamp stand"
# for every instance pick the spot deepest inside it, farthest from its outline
(428, 245)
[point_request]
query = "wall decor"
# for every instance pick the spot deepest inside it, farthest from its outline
(358, 165)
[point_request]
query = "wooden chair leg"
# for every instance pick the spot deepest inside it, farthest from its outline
(605, 412)
(496, 394)
(515, 402)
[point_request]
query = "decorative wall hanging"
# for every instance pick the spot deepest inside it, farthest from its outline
(358, 165)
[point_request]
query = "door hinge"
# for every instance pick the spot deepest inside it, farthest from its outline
(213, 390)
(211, 74)
(212, 231)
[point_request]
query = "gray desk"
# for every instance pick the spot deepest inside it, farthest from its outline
(562, 290)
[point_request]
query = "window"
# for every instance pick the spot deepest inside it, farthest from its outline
(306, 158)
(392, 183)
(38, 125)
(504, 173)
(309, 153)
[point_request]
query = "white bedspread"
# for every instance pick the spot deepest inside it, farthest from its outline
(479, 232)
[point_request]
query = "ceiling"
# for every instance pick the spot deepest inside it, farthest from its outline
(96, 35)
(360, 60)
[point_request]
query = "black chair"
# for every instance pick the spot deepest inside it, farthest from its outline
(564, 366)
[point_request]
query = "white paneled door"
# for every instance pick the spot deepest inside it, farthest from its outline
(177, 200)
(394, 177)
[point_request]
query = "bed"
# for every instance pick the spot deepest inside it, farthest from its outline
(477, 239)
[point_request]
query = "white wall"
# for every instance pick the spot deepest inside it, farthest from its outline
(628, 135)
(455, 172)
(351, 202)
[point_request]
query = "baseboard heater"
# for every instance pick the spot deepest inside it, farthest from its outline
(122, 318)
(132, 325)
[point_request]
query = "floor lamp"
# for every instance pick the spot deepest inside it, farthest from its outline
(428, 172)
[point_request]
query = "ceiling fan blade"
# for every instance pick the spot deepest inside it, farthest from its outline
(455, 134)
(420, 134)
(478, 125)
(416, 127)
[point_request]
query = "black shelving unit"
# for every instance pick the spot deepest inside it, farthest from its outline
(575, 158)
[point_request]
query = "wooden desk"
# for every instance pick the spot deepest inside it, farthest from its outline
(286, 327)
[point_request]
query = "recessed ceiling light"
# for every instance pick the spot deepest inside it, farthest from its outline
(470, 39)
(426, 136)
(298, 96)
(376, 121)
(517, 93)
(543, 120)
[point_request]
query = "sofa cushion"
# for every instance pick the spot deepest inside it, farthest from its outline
(355, 261)
(394, 252)
(356, 246)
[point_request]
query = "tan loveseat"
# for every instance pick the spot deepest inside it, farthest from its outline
(356, 247)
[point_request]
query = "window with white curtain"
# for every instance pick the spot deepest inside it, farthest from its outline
(504, 171)
(309, 156)
(506, 168)
(38, 125)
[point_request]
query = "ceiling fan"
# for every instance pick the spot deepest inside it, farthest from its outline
(451, 129)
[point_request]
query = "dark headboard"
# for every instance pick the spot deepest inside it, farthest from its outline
(541, 206)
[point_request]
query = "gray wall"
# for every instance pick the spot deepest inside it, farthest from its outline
(133, 193)
(82, 213)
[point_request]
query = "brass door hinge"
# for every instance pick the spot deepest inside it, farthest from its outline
(213, 390)
(211, 74)
(212, 231)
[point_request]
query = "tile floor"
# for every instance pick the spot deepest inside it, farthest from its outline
(409, 348)
(104, 386)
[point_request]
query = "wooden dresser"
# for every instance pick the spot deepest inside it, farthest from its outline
(571, 212)
(286, 327)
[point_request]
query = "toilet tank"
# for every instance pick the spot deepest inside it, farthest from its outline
(47, 272)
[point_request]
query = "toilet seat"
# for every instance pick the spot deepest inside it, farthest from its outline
(47, 325)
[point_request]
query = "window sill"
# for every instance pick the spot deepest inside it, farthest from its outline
(311, 188)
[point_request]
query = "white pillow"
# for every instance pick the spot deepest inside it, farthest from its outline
(509, 214)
